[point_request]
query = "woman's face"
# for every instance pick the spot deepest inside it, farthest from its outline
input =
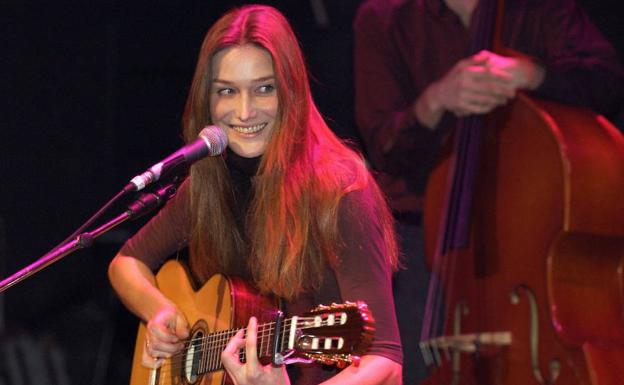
(243, 98)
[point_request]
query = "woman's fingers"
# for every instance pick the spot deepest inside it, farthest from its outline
(164, 336)
(168, 326)
(251, 351)
(251, 371)
(158, 348)
(148, 358)
(230, 355)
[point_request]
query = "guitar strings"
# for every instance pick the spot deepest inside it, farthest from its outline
(214, 343)
(261, 327)
(173, 365)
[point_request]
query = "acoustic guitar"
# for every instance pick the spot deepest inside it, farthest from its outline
(337, 334)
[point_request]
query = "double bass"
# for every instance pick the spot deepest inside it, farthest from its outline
(524, 232)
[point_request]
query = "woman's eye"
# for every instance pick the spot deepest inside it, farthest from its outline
(225, 91)
(265, 89)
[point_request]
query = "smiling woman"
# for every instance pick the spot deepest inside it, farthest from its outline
(243, 99)
(288, 207)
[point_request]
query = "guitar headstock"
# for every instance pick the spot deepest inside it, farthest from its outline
(337, 334)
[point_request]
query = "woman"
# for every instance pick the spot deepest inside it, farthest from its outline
(289, 207)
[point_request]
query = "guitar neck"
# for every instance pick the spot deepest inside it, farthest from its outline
(205, 351)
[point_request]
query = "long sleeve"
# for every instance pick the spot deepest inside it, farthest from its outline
(363, 272)
(582, 68)
(400, 150)
(383, 92)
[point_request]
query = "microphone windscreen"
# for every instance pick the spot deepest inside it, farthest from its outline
(215, 138)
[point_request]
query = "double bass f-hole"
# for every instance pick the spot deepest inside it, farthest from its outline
(554, 365)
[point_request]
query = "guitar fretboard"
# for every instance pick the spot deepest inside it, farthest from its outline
(202, 353)
(206, 351)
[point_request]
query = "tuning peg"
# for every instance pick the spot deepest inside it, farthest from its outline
(322, 308)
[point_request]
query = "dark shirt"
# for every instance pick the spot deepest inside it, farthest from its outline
(361, 274)
(402, 46)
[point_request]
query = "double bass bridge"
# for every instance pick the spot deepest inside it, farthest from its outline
(453, 346)
(462, 343)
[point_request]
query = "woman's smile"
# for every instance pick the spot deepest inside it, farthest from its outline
(249, 130)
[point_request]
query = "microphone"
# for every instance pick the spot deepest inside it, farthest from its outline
(211, 141)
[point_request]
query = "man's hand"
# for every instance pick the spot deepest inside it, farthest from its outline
(477, 85)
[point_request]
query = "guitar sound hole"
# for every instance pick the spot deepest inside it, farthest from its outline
(191, 365)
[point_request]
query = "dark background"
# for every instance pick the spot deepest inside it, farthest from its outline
(92, 95)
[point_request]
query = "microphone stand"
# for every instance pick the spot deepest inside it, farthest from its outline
(143, 205)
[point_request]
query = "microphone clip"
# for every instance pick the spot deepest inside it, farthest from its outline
(149, 201)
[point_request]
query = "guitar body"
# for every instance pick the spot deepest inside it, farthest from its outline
(222, 303)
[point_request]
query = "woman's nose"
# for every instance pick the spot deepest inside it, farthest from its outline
(246, 108)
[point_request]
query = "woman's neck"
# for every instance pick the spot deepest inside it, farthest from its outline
(246, 166)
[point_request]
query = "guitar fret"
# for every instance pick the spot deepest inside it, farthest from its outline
(259, 344)
(224, 336)
(268, 342)
(215, 348)
(204, 346)
(208, 351)
(283, 336)
(210, 354)
(268, 332)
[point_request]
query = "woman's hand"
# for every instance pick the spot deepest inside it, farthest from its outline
(252, 372)
(164, 336)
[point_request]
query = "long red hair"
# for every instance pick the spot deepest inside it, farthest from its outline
(304, 173)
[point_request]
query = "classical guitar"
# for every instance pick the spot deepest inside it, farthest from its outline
(336, 334)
